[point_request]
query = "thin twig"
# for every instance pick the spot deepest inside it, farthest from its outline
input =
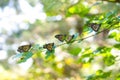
(90, 35)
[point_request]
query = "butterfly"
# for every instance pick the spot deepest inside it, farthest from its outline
(60, 37)
(69, 38)
(24, 48)
(95, 26)
(49, 46)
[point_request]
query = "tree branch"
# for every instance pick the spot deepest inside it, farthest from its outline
(91, 35)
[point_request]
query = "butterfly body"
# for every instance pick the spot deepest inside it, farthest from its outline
(24, 48)
(49, 46)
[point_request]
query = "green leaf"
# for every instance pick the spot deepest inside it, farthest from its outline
(52, 7)
(118, 77)
(112, 35)
(91, 77)
(74, 51)
(102, 50)
(101, 74)
(106, 74)
(118, 18)
(49, 53)
(117, 37)
(117, 46)
(86, 56)
(111, 14)
(18, 55)
(109, 59)
(79, 9)
(28, 55)
(25, 56)
(104, 20)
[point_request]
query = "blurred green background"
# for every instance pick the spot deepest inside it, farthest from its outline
(38, 21)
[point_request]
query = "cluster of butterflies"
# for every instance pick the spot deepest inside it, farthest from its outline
(60, 37)
(49, 46)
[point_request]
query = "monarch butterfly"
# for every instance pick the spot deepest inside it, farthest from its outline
(60, 37)
(95, 26)
(69, 38)
(49, 46)
(24, 48)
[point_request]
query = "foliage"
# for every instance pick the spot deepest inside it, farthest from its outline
(99, 75)
(80, 54)
(108, 21)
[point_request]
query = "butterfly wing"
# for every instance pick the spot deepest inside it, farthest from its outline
(49, 46)
(24, 48)
(60, 37)
(95, 26)
(69, 38)
(20, 49)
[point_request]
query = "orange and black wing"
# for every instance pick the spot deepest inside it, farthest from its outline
(49, 46)
(60, 37)
(23, 48)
